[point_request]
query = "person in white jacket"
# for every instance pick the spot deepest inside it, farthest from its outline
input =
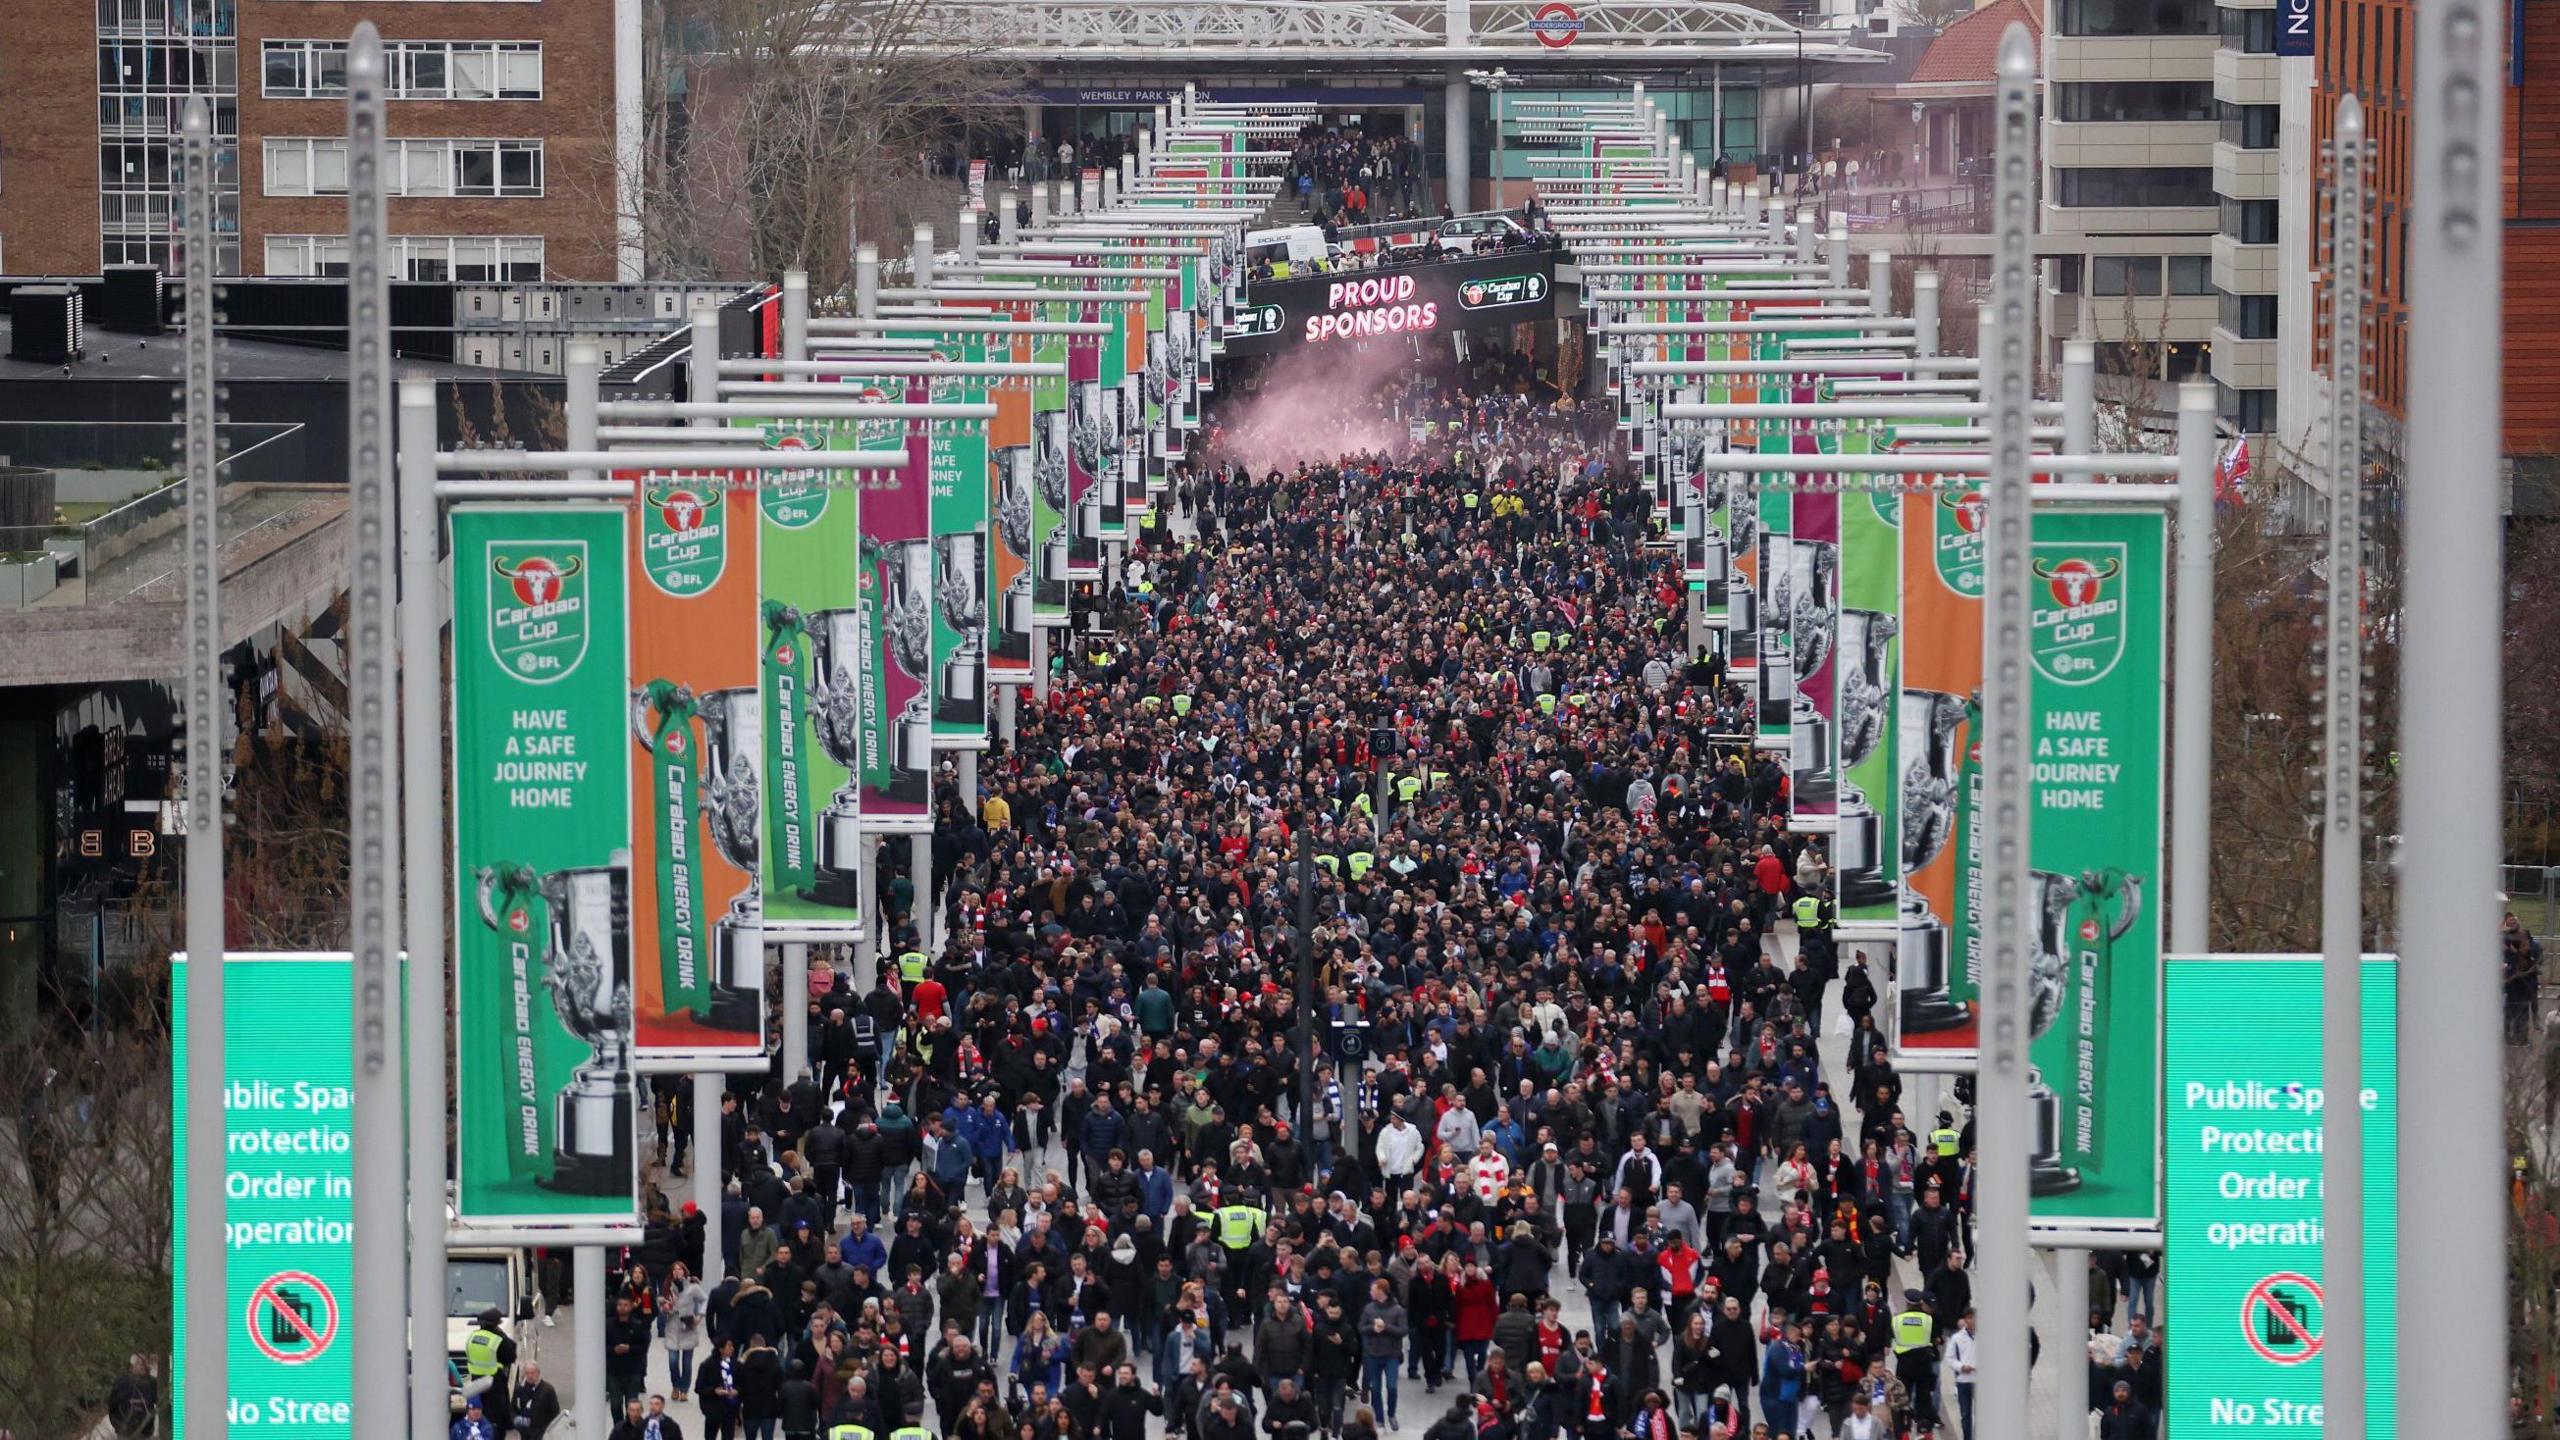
(1399, 1150)
(1960, 1358)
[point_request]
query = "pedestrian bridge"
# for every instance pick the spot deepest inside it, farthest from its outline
(1336, 32)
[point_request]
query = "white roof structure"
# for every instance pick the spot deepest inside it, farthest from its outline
(1610, 32)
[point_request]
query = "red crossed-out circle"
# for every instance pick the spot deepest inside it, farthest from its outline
(266, 1301)
(2262, 1296)
(1556, 24)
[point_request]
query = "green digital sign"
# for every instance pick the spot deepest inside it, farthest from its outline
(288, 1064)
(2245, 1303)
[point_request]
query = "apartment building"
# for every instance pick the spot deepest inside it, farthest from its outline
(2129, 205)
(505, 163)
(2368, 48)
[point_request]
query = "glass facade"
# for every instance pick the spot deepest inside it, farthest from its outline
(154, 56)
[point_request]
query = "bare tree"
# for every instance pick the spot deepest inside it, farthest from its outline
(796, 118)
(1931, 14)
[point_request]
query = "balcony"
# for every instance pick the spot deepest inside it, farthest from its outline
(2245, 174)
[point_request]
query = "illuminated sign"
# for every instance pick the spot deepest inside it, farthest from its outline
(1380, 305)
(1413, 299)
(1555, 25)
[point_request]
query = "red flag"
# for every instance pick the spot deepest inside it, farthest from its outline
(2230, 470)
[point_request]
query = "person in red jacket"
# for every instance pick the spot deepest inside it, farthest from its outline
(1478, 1306)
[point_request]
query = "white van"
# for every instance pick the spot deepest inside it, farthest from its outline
(1300, 248)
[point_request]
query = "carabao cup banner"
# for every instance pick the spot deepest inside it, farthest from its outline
(1866, 848)
(2099, 596)
(542, 863)
(697, 768)
(288, 1062)
(808, 643)
(2244, 1228)
(962, 565)
(897, 616)
(1813, 627)
(1013, 540)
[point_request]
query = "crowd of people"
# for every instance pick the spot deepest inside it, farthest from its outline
(1563, 1155)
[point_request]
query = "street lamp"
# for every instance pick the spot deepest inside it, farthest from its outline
(1496, 80)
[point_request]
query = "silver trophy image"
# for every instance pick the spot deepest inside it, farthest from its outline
(1866, 643)
(1777, 656)
(837, 673)
(1014, 523)
(1098, 457)
(2050, 980)
(1931, 772)
(586, 966)
(1049, 470)
(1742, 602)
(905, 568)
(1813, 568)
(733, 807)
(960, 588)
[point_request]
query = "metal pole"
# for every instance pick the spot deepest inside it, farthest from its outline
(422, 610)
(702, 366)
(2453, 1279)
(866, 280)
(2191, 681)
(1008, 711)
(1880, 282)
(795, 314)
(2342, 1377)
(1454, 106)
(928, 916)
(377, 1326)
(2079, 397)
(795, 1008)
(2071, 1381)
(1924, 310)
(965, 766)
(586, 1336)
(866, 904)
(1306, 957)
(205, 1404)
(708, 1086)
(2001, 1117)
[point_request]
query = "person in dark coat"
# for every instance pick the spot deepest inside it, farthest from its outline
(536, 1402)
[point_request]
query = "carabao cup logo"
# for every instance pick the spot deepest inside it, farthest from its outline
(684, 535)
(537, 607)
(794, 499)
(2078, 623)
(1957, 540)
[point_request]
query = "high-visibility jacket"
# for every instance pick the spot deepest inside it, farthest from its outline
(912, 964)
(480, 1353)
(1943, 1140)
(1912, 1330)
(1539, 640)
(1332, 864)
(1361, 860)
(1238, 1224)
(1808, 910)
(911, 1432)
(1408, 786)
(1182, 704)
(849, 1431)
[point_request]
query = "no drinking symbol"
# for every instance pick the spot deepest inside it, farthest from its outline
(2281, 1318)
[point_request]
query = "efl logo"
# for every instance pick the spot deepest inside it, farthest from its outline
(2297, 31)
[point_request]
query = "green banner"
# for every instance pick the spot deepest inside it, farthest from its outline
(288, 1060)
(1775, 504)
(542, 864)
(2097, 605)
(808, 537)
(1050, 422)
(2244, 1228)
(963, 560)
(1867, 849)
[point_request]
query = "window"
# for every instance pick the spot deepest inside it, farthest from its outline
(2251, 222)
(2251, 317)
(2153, 100)
(2190, 274)
(2134, 17)
(2251, 32)
(2251, 127)
(412, 169)
(420, 69)
(2124, 274)
(2140, 186)
(466, 259)
(2066, 274)
(2252, 411)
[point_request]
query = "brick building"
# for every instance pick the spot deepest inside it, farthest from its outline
(502, 114)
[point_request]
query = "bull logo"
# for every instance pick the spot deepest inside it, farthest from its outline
(1956, 545)
(2076, 582)
(537, 580)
